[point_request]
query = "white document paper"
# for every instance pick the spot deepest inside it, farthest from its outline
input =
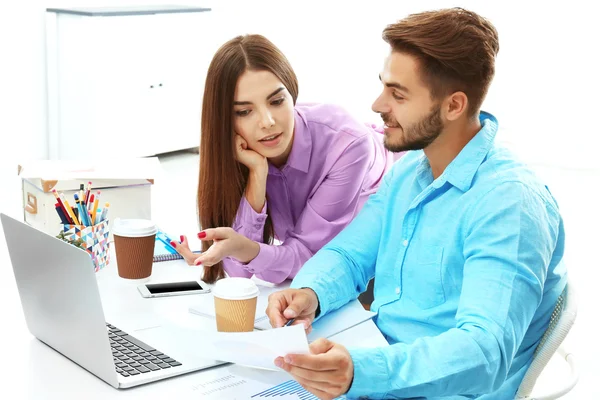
(257, 349)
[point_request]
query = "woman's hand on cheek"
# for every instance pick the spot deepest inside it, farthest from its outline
(250, 158)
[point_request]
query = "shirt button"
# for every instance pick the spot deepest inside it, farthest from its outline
(405, 243)
(398, 290)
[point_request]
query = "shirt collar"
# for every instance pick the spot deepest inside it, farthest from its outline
(299, 157)
(461, 171)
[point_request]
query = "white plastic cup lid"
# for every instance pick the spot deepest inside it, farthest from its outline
(235, 289)
(134, 227)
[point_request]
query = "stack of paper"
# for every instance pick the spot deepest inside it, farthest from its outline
(335, 322)
(206, 307)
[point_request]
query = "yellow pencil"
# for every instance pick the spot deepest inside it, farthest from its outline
(69, 210)
(95, 209)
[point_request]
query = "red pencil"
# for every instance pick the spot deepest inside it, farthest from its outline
(62, 206)
(90, 202)
(87, 193)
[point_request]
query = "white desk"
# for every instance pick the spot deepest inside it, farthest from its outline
(36, 371)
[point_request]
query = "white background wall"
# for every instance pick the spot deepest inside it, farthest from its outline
(545, 93)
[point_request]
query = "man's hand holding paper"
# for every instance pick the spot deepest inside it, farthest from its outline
(298, 304)
(328, 370)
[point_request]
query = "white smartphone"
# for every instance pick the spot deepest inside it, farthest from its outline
(172, 289)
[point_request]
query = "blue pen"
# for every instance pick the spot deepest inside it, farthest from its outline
(160, 235)
(83, 215)
(290, 321)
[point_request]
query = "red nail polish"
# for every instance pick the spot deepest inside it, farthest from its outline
(173, 244)
(201, 235)
(198, 263)
(181, 238)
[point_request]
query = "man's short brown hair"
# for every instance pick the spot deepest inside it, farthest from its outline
(455, 48)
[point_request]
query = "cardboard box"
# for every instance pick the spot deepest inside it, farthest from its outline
(125, 184)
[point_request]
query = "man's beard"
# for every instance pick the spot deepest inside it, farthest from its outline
(417, 136)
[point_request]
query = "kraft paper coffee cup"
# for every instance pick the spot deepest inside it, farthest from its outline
(235, 304)
(134, 247)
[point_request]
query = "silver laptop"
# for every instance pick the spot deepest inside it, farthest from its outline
(62, 307)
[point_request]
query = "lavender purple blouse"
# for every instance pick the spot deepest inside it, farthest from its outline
(335, 163)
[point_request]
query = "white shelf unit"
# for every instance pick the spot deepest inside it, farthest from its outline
(125, 82)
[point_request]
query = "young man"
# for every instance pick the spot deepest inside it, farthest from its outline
(464, 241)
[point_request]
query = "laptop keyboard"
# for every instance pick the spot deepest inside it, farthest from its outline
(134, 357)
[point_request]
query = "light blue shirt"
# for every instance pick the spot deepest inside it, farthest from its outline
(468, 268)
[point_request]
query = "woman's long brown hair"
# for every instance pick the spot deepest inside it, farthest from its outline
(222, 180)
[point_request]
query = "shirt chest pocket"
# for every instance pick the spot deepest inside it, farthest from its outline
(422, 277)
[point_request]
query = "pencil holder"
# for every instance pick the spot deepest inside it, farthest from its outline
(93, 239)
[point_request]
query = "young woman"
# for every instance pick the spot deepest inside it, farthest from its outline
(274, 170)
